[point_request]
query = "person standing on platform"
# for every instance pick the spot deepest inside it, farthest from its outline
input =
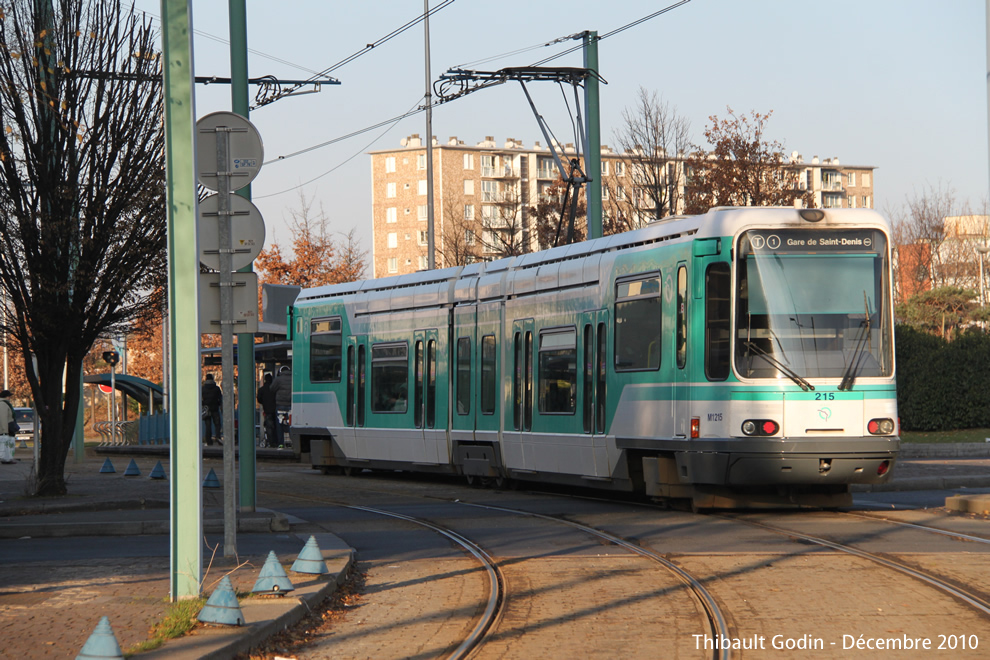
(212, 401)
(266, 397)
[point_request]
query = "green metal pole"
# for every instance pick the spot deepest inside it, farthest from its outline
(183, 283)
(246, 382)
(593, 129)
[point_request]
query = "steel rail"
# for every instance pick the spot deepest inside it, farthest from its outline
(716, 621)
(970, 599)
(925, 528)
(496, 596)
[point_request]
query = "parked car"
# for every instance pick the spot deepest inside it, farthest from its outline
(25, 419)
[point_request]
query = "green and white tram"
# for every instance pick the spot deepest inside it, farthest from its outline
(741, 357)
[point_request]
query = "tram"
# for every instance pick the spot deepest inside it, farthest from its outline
(739, 358)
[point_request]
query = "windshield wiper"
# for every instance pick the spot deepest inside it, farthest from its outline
(858, 355)
(787, 371)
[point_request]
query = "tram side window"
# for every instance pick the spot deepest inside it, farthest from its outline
(488, 374)
(463, 376)
(389, 377)
(325, 350)
(637, 325)
(717, 321)
(558, 371)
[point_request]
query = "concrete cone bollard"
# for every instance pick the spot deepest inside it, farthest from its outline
(222, 606)
(132, 470)
(158, 472)
(101, 644)
(107, 467)
(272, 578)
(211, 480)
(310, 559)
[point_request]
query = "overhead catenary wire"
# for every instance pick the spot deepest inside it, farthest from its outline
(353, 56)
(420, 109)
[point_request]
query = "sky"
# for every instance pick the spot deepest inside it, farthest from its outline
(900, 85)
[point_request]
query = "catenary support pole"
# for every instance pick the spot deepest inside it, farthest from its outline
(431, 241)
(593, 129)
(185, 453)
(246, 375)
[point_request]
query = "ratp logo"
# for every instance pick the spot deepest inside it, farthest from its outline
(824, 413)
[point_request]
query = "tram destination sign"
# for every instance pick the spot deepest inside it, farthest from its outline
(809, 241)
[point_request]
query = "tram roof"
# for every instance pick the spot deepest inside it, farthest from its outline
(721, 221)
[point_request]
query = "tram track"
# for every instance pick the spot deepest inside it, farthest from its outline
(926, 528)
(974, 601)
(718, 626)
(497, 592)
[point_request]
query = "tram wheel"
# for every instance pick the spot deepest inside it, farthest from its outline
(473, 480)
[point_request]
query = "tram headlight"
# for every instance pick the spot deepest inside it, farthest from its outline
(811, 215)
(760, 427)
(880, 426)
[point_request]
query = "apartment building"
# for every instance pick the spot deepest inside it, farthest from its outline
(483, 195)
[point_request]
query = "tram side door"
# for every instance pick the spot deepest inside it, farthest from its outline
(354, 413)
(681, 395)
(594, 390)
(425, 364)
(519, 411)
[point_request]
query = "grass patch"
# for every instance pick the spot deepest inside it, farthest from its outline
(179, 619)
(962, 435)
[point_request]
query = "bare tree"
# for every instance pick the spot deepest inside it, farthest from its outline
(742, 168)
(653, 141)
(460, 243)
(919, 234)
(505, 230)
(83, 227)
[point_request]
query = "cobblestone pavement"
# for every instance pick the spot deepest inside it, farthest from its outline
(49, 607)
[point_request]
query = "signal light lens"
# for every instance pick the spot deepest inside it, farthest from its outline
(695, 427)
(882, 468)
(760, 427)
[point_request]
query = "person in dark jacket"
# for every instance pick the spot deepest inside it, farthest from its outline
(212, 400)
(267, 400)
(282, 389)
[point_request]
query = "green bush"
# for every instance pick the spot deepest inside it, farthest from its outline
(942, 385)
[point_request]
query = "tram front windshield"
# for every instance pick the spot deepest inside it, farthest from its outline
(812, 303)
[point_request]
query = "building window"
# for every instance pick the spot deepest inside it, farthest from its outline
(487, 165)
(424, 262)
(506, 166)
(421, 162)
(468, 186)
(393, 240)
(390, 164)
(488, 191)
(850, 178)
(605, 193)
(422, 213)
(544, 167)
(469, 237)
(390, 189)
(605, 167)
(469, 161)
(620, 193)
(393, 265)
(867, 202)
(558, 371)
(469, 211)
(389, 377)
(423, 237)
(851, 201)
(422, 186)
(865, 179)
(391, 215)
(637, 324)
(620, 169)
(325, 350)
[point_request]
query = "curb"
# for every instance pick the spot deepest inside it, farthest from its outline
(925, 483)
(264, 617)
